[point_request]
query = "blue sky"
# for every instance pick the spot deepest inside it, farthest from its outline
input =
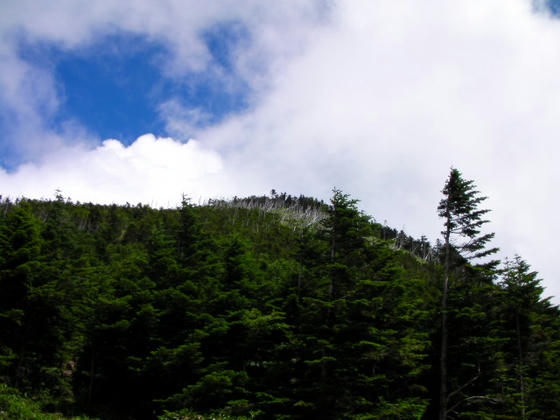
(111, 86)
(114, 85)
(142, 101)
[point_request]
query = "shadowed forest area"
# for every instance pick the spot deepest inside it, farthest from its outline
(275, 307)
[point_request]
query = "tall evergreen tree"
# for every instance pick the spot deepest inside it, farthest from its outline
(522, 292)
(19, 251)
(530, 340)
(463, 242)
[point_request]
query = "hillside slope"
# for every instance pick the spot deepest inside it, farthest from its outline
(262, 307)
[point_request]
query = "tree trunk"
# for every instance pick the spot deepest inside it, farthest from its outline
(520, 367)
(333, 254)
(91, 378)
(444, 333)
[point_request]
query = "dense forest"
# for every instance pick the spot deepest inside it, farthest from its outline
(273, 307)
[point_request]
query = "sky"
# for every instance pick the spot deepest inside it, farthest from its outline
(142, 101)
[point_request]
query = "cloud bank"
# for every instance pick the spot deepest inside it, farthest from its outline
(378, 98)
(150, 170)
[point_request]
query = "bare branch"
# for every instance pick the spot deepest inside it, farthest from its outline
(466, 384)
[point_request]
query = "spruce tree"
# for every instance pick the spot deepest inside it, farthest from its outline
(19, 252)
(530, 343)
(463, 242)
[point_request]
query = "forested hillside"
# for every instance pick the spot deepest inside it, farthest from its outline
(273, 307)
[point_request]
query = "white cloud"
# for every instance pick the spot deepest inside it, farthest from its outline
(28, 91)
(377, 97)
(150, 170)
(181, 121)
(391, 94)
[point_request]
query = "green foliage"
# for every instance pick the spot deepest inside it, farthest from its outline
(14, 406)
(463, 218)
(267, 307)
(187, 414)
(465, 337)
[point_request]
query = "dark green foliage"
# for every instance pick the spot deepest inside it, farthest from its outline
(528, 386)
(463, 219)
(14, 406)
(466, 345)
(267, 307)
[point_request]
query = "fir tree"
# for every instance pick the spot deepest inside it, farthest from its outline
(463, 242)
(530, 340)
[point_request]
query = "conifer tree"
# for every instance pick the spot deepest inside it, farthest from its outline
(523, 292)
(19, 249)
(124, 312)
(463, 242)
(529, 332)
